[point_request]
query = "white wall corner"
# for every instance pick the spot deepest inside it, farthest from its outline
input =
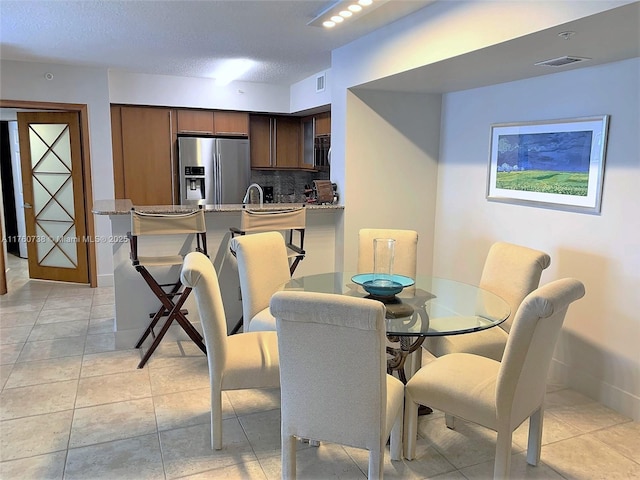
(305, 95)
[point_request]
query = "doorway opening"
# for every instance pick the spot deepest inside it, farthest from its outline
(82, 193)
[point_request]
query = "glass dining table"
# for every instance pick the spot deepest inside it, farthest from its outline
(431, 306)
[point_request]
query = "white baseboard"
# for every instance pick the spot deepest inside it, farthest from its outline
(105, 280)
(622, 402)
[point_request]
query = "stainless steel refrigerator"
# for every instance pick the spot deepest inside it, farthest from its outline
(213, 171)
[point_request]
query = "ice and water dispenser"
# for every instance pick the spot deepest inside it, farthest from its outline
(193, 183)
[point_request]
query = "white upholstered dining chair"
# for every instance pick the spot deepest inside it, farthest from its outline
(498, 395)
(511, 272)
(404, 263)
(245, 360)
(333, 381)
(406, 249)
(263, 266)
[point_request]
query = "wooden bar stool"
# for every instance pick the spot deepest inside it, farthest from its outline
(171, 295)
(292, 222)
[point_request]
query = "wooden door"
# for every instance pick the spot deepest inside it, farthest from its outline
(52, 177)
(147, 156)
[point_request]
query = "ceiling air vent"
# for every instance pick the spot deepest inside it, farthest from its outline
(320, 83)
(562, 61)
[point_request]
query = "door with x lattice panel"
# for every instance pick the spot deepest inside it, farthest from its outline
(51, 160)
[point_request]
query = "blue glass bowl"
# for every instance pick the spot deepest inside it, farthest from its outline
(384, 288)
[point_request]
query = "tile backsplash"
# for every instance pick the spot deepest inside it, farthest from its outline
(288, 185)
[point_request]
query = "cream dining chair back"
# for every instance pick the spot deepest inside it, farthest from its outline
(498, 395)
(404, 263)
(245, 360)
(406, 250)
(333, 376)
(511, 272)
(263, 267)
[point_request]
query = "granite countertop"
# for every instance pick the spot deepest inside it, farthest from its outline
(124, 206)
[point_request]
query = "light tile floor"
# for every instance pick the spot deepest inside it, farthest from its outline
(74, 407)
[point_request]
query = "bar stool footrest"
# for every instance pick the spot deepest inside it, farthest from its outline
(184, 311)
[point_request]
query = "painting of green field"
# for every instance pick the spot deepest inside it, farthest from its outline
(545, 181)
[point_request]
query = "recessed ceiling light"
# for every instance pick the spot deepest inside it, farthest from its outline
(345, 9)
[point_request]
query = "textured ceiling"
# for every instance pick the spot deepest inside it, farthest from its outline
(184, 38)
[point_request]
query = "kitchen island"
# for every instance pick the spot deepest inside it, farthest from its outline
(133, 298)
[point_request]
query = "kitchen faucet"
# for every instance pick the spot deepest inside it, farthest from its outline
(246, 195)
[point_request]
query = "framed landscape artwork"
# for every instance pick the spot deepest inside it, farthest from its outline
(556, 164)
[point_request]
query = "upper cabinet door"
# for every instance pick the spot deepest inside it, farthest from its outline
(198, 122)
(287, 142)
(275, 142)
(323, 123)
(147, 160)
(261, 141)
(231, 123)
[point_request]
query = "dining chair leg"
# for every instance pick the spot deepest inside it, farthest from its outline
(502, 462)
(534, 444)
(450, 421)
(395, 446)
(216, 418)
(376, 463)
(410, 428)
(288, 457)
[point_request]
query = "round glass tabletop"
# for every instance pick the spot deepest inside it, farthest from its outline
(432, 306)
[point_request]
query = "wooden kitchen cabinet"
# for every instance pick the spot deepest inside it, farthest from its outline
(287, 144)
(260, 141)
(275, 142)
(231, 123)
(198, 122)
(210, 122)
(315, 141)
(323, 123)
(143, 160)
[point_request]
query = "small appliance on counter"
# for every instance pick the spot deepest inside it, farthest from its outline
(323, 191)
(268, 194)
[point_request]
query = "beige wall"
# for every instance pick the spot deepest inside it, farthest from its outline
(391, 172)
(596, 354)
(598, 350)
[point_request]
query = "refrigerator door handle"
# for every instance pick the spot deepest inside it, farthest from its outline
(218, 175)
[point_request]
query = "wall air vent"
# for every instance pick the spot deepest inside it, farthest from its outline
(562, 61)
(320, 83)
